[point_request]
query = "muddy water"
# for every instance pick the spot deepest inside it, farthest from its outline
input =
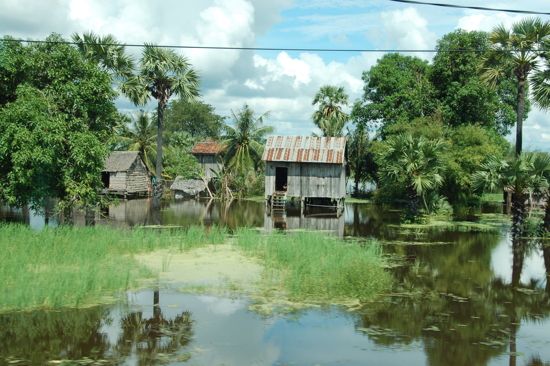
(474, 298)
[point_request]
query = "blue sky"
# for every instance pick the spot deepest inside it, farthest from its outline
(277, 81)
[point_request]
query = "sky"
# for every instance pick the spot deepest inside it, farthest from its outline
(281, 82)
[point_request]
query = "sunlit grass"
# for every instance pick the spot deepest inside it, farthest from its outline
(316, 266)
(81, 266)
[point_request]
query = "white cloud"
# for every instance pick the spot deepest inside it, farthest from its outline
(486, 23)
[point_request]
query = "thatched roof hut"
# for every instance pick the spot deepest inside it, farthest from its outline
(125, 173)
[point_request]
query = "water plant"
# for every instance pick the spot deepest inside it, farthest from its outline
(316, 266)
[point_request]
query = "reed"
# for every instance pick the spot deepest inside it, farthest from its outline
(316, 266)
(81, 266)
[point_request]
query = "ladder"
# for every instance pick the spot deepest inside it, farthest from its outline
(278, 201)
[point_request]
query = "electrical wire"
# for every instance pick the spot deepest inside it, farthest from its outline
(469, 7)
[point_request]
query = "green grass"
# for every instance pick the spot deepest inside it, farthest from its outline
(81, 266)
(492, 197)
(316, 266)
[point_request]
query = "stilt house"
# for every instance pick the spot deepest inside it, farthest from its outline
(312, 168)
(125, 174)
(207, 155)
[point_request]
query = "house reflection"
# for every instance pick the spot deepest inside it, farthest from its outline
(329, 220)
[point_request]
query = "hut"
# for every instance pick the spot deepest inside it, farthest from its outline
(312, 168)
(189, 188)
(125, 174)
(207, 156)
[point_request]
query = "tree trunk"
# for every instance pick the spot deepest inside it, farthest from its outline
(522, 77)
(157, 186)
(518, 213)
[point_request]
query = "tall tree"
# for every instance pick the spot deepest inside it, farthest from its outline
(464, 98)
(517, 52)
(55, 117)
(195, 118)
(329, 116)
(162, 73)
(396, 89)
(140, 136)
(244, 143)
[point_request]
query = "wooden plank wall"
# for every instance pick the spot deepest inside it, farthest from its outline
(137, 179)
(309, 179)
(208, 162)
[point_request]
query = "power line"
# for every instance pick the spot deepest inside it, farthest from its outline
(470, 7)
(270, 48)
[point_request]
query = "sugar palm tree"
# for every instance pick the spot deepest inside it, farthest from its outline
(244, 143)
(516, 51)
(415, 162)
(107, 52)
(162, 73)
(329, 116)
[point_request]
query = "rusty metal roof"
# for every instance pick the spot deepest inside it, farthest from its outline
(305, 149)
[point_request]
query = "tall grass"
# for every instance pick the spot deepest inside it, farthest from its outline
(79, 266)
(319, 266)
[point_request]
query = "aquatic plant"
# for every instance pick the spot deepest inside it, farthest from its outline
(316, 266)
(81, 266)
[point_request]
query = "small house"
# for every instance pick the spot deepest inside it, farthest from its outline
(207, 156)
(312, 168)
(125, 174)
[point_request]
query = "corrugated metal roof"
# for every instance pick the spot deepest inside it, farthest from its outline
(305, 149)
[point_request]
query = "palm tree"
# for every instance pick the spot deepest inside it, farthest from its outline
(140, 137)
(244, 144)
(106, 52)
(162, 74)
(416, 162)
(329, 116)
(516, 52)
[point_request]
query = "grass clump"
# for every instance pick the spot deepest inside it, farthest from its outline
(81, 266)
(316, 266)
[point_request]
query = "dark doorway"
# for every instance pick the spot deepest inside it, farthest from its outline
(105, 179)
(281, 179)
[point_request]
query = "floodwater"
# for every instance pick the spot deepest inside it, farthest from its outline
(469, 296)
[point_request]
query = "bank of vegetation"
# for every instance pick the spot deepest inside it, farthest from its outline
(82, 266)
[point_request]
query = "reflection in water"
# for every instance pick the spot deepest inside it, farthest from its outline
(473, 299)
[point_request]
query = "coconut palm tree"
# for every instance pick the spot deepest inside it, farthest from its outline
(329, 116)
(140, 136)
(516, 51)
(244, 143)
(162, 73)
(415, 162)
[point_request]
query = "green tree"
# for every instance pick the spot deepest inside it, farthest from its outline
(360, 157)
(464, 98)
(244, 143)
(397, 89)
(517, 51)
(414, 162)
(140, 136)
(195, 118)
(55, 117)
(329, 116)
(162, 73)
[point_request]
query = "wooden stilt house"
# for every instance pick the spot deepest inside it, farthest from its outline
(312, 168)
(207, 155)
(125, 174)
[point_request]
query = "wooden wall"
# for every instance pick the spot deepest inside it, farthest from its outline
(309, 179)
(117, 181)
(208, 162)
(137, 179)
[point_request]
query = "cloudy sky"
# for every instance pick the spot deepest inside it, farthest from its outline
(282, 82)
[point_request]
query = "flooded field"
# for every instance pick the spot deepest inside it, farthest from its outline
(464, 295)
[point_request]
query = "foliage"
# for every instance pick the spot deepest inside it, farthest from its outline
(178, 162)
(329, 116)
(194, 118)
(243, 144)
(414, 162)
(140, 136)
(339, 271)
(397, 89)
(162, 73)
(464, 98)
(360, 158)
(56, 112)
(516, 52)
(80, 266)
